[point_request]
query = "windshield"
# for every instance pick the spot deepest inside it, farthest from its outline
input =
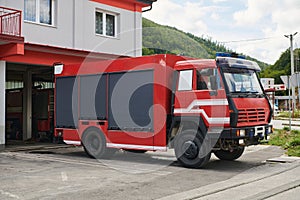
(242, 81)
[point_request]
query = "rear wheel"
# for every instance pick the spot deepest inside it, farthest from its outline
(94, 144)
(188, 149)
(229, 155)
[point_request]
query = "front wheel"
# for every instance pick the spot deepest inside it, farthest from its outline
(229, 155)
(188, 149)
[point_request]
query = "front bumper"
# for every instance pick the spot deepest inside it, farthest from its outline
(245, 135)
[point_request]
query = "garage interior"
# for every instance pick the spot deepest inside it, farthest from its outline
(29, 103)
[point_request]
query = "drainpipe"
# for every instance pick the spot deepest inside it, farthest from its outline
(147, 2)
(148, 9)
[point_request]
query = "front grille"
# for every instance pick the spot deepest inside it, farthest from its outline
(251, 115)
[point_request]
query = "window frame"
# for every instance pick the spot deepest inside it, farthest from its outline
(207, 79)
(104, 31)
(185, 82)
(232, 83)
(37, 14)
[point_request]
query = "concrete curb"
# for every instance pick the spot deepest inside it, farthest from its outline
(275, 191)
(263, 172)
(34, 147)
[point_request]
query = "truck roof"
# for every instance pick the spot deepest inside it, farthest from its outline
(90, 66)
(195, 63)
(237, 63)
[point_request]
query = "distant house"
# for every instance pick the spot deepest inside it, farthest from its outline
(34, 34)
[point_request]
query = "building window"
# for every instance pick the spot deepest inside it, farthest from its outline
(106, 24)
(99, 23)
(39, 11)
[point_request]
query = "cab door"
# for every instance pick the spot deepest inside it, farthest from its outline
(200, 92)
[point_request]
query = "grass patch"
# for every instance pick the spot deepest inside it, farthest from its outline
(289, 140)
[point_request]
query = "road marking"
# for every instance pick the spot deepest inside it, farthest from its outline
(64, 176)
(9, 194)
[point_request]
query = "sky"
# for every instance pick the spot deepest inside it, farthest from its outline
(252, 27)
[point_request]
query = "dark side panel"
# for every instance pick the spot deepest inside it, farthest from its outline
(131, 101)
(40, 105)
(66, 102)
(93, 97)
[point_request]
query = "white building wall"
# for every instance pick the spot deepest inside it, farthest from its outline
(138, 33)
(124, 44)
(2, 103)
(74, 27)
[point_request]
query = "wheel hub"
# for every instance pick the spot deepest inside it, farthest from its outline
(94, 143)
(190, 149)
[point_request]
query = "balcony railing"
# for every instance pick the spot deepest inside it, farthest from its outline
(10, 21)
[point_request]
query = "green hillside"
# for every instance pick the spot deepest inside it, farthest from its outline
(158, 39)
(282, 66)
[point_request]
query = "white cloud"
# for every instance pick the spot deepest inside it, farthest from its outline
(256, 10)
(256, 19)
(273, 19)
(215, 16)
(188, 16)
(219, 1)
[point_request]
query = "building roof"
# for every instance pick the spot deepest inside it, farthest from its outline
(132, 5)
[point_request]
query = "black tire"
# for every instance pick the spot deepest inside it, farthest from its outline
(94, 144)
(87, 152)
(135, 150)
(227, 155)
(187, 147)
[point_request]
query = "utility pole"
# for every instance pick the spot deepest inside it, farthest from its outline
(291, 36)
(290, 113)
(297, 72)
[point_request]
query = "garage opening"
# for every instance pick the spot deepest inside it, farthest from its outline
(29, 103)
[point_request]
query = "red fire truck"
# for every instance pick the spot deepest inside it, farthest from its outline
(151, 103)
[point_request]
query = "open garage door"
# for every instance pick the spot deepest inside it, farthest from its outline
(29, 102)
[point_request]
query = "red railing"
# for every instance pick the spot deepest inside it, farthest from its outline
(10, 21)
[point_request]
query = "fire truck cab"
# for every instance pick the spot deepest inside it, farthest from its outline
(224, 101)
(196, 106)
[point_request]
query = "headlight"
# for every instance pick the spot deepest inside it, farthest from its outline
(59, 133)
(242, 133)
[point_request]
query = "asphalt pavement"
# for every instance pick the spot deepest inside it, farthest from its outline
(64, 172)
